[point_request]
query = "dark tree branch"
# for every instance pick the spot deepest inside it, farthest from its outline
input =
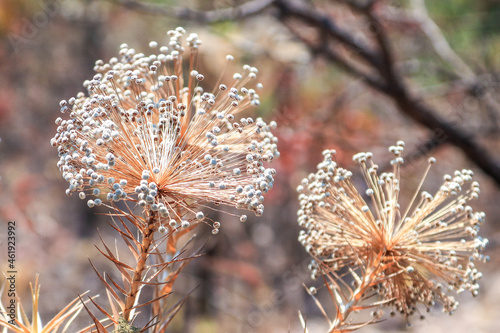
(424, 114)
(394, 86)
(232, 13)
(321, 21)
(334, 56)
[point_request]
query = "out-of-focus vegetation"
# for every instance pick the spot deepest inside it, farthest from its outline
(250, 279)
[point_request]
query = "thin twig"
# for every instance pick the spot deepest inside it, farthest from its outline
(245, 10)
(137, 280)
(438, 41)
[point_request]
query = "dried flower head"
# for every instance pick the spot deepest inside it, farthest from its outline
(419, 254)
(149, 133)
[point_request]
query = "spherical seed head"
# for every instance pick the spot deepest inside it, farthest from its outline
(140, 123)
(420, 253)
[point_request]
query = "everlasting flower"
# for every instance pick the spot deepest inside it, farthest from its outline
(149, 133)
(419, 254)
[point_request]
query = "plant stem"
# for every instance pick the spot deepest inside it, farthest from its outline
(137, 280)
(370, 277)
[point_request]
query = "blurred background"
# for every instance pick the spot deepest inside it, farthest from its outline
(348, 75)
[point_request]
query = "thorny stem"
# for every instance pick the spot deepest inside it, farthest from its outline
(147, 240)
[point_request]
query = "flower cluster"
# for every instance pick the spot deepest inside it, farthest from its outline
(149, 133)
(420, 253)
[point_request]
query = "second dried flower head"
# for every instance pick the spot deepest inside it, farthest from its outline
(414, 255)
